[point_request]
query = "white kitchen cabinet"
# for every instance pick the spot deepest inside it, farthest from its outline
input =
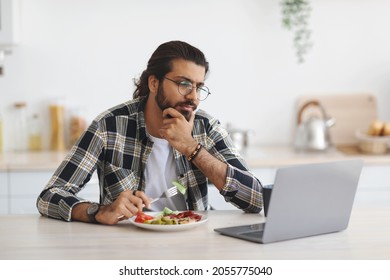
(216, 200)
(9, 22)
(3, 206)
(3, 184)
(91, 191)
(265, 175)
(372, 176)
(375, 176)
(3, 193)
(19, 189)
(25, 187)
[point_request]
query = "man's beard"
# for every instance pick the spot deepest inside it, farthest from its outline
(163, 103)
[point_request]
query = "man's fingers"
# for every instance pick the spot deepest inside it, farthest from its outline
(170, 112)
(192, 118)
(140, 200)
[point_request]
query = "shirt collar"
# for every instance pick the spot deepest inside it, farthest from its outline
(141, 126)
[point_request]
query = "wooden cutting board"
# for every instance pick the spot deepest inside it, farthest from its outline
(351, 112)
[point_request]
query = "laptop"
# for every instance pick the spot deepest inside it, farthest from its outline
(306, 200)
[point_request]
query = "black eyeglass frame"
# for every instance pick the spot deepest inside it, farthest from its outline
(186, 84)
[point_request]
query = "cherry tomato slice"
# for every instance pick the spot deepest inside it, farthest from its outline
(142, 217)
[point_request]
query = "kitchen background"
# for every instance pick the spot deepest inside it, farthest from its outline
(86, 53)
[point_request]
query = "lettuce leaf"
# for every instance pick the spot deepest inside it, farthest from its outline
(182, 189)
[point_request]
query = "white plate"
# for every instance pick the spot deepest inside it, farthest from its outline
(169, 227)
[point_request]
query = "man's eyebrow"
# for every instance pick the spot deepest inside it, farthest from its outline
(191, 81)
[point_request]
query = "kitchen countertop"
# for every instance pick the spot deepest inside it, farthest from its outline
(31, 161)
(282, 155)
(266, 156)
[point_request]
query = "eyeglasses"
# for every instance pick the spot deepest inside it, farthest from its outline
(186, 87)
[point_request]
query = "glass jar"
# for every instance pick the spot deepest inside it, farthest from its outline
(35, 133)
(57, 119)
(77, 125)
(20, 126)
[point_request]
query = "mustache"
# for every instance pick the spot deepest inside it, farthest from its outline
(188, 103)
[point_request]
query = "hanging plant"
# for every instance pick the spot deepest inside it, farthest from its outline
(295, 17)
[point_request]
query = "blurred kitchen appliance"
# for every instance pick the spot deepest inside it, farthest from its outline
(240, 137)
(313, 132)
(351, 110)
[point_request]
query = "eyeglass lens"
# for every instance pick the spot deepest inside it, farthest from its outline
(186, 88)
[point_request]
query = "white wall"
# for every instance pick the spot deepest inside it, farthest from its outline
(90, 50)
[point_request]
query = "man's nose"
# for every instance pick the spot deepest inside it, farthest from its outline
(193, 95)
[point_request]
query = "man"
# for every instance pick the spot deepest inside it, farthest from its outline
(138, 148)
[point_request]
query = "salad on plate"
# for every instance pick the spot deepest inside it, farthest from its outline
(168, 217)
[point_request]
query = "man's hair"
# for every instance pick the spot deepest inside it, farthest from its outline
(160, 63)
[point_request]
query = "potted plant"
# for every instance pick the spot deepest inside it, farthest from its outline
(295, 17)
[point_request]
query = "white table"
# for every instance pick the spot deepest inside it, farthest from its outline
(36, 237)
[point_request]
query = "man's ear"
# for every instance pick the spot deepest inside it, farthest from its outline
(153, 84)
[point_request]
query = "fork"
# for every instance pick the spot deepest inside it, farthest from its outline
(172, 191)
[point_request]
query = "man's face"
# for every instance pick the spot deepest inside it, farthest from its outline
(168, 94)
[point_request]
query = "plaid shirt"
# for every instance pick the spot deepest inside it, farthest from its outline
(117, 146)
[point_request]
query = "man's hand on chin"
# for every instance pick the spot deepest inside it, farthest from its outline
(178, 131)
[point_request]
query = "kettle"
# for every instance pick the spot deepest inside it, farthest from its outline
(313, 133)
(240, 137)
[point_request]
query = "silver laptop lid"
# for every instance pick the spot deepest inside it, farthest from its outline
(311, 199)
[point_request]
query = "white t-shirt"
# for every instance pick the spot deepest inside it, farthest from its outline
(160, 172)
